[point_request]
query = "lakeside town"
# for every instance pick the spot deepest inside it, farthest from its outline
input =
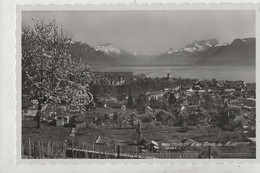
(70, 108)
(141, 115)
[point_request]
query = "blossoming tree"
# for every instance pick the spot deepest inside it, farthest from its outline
(49, 73)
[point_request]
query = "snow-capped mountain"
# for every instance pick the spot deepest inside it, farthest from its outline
(211, 52)
(238, 52)
(196, 46)
(203, 52)
(108, 49)
(87, 54)
(241, 42)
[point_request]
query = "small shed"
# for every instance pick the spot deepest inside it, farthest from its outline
(81, 124)
(100, 140)
(29, 113)
(60, 122)
(152, 146)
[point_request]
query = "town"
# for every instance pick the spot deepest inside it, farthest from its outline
(136, 116)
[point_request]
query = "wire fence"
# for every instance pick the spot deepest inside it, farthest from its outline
(55, 149)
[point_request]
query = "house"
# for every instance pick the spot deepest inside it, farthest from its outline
(79, 121)
(95, 116)
(130, 120)
(167, 89)
(250, 86)
(228, 91)
(252, 139)
(145, 118)
(152, 146)
(157, 96)
(29, 113)
(60, 122)
(73, 109)
(248, 108)
(102, 141)
(60, 109)
(251, 102)
(162, 116)
(80, 124)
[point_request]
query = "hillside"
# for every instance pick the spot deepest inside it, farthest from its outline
(89, 55)
(239, 52)
(211, 52)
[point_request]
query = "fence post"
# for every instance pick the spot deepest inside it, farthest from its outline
(99, 153)
(209, 151)
(48, 149)
(64, 150)
(86, 148)
(52, 150)
(29, 152)
(118, 151)
(22, 151)
(170, 149)
(34, 149)
(136, 151)
(42, 149)
(72, 148)
(39, 148)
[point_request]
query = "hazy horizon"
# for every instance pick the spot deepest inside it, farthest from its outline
(150, 31)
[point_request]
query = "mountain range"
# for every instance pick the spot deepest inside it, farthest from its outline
(210, 52)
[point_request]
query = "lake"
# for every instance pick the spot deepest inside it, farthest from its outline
(197, 72)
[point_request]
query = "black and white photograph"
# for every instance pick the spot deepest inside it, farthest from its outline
(138, 84)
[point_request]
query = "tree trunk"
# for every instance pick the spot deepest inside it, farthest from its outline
(38, 115)
(184, 126)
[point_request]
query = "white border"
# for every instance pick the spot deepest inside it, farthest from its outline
(9, 112)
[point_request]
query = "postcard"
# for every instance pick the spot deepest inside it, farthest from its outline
(137, 83)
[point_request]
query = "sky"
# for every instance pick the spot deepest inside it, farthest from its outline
(149, 31)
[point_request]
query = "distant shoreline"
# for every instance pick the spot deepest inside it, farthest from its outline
(229, 73)
(179, 65)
